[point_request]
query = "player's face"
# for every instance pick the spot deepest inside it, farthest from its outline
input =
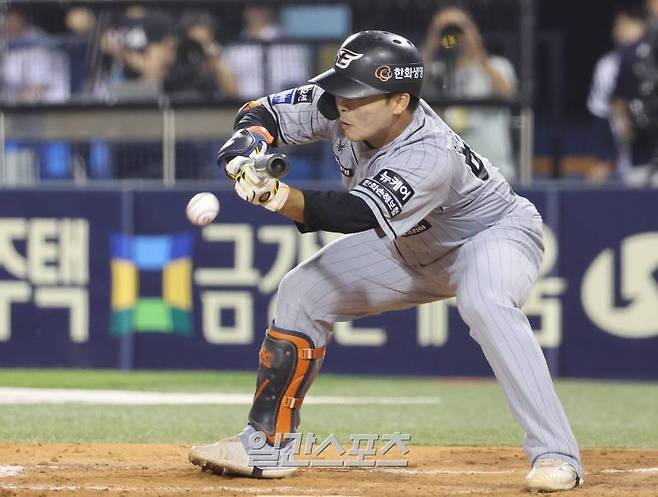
(373, 119)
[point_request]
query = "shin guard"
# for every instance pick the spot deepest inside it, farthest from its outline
(288, 364)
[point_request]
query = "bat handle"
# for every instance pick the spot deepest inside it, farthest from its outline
(272, 165)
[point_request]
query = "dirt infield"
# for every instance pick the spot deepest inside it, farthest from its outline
(163, 470)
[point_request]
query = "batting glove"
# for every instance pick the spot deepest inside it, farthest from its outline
(254, 188)
(253, 141)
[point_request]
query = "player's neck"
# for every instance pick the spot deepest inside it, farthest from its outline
(392, 132)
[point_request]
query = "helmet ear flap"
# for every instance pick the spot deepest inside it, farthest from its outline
(327, 106)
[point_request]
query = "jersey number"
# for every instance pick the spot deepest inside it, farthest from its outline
(475, 163)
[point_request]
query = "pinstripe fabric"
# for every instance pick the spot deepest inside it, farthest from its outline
(461, 232)
(491, 275)
(498, 268)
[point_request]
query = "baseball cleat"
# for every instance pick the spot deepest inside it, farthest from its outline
(552, 475)
(228, 457)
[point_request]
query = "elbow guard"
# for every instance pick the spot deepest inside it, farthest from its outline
(253, 113)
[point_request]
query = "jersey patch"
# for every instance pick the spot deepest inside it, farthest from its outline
(390, 202)
(396, 184)
(419, 228)
(301, 95)
(285, 97)
(391, 188)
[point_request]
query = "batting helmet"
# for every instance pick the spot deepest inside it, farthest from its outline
(374, 63)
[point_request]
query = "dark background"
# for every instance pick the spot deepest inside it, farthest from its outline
(584, 26)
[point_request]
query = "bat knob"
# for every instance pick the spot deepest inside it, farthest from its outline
(277, 165)
(274, 165)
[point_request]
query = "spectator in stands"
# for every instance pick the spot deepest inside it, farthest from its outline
(142, 47)
(80, 23)
(628, 27)
(31, 70)
(635, 104)
(260, 24)
(262, 62)
(458, 65)
(91, 159)
(199, 71)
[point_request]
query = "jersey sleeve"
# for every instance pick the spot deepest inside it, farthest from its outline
(405, 189)
(297, 116)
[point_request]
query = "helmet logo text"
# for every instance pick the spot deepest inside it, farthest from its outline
(345, 57)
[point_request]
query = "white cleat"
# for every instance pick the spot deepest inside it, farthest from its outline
(552, 475)
(229, 457)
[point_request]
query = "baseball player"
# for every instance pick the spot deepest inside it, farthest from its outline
(425, 218)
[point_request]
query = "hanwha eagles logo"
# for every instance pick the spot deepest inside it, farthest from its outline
(345, 57)
(383, 73)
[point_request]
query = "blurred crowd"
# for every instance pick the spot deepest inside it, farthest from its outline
(623, 100)
(141, 52)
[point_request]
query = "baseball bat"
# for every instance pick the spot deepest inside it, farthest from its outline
(273, 165)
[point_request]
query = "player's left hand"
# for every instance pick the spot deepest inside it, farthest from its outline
(253, 141)
(254, 188)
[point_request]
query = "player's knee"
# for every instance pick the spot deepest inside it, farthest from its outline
(290, 284)
(478, 308)
(467, 308)
(292, 300)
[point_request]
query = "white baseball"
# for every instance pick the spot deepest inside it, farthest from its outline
(202, 209)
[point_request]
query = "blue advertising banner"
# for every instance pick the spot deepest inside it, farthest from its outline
(54, 277)
(610, 261)
(121, 279)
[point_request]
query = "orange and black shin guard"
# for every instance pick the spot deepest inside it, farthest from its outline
(288, 364)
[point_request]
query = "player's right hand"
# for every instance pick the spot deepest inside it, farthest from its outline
(254, 187)
(250, 142)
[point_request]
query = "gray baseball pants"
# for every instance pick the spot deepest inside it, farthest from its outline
(491, 276)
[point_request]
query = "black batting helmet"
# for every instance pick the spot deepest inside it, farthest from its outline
(374, 63)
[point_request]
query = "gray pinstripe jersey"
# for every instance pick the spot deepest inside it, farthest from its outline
(428, 190)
